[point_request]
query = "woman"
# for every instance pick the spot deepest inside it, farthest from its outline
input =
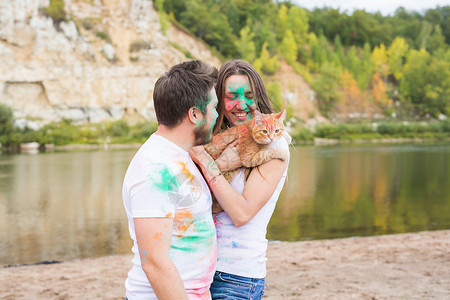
(248, 205)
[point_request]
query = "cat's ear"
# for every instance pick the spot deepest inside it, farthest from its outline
(282, 115)
(258, 117)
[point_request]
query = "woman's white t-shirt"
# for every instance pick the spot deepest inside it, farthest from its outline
(242, 250)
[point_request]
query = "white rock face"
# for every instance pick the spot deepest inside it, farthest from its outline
(81, 69)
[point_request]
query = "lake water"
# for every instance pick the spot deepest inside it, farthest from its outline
(67, 205)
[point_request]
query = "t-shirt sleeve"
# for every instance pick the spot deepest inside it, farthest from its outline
(153, 192)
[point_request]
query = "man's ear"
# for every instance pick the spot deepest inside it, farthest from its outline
(193, 115)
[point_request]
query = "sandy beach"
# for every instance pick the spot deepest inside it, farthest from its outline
(403, 266)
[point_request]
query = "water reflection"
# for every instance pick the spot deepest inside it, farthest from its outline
(67, 205)
(62, 205)
(346, 191)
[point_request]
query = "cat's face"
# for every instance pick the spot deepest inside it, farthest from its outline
(268, 127)
(239, 102)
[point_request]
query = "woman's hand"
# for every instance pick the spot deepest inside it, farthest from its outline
(229, 159)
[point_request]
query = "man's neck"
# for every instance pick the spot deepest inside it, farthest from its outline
(180, 136)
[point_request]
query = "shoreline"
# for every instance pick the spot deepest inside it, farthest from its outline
(315, 142)
(400, 266)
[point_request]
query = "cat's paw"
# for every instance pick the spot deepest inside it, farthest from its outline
(265, 156)
(281, 153)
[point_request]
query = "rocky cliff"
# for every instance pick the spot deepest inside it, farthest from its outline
(101, 63)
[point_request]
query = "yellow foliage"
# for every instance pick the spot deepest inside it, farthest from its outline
(380, 60)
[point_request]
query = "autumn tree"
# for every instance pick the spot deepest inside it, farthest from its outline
(379, 58)
(396, 56)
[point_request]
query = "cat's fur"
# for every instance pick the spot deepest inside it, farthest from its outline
(254, 137)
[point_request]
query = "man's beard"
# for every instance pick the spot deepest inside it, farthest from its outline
(202, 135)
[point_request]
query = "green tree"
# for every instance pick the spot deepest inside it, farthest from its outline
(282, 22)
(367, 68)
(406, 25)
(298, 23)
(6, 119)
(163, 17)
(274, 93)
(309, 56)
(353, 63)
(269, 65)
(246, 45)
(414, 80)
(437, 89)
(264, 34)
(320, 51)
(206, 21)
(288, 48)
(339, 50)
(436, 40)
(425, 32)
(326, 85)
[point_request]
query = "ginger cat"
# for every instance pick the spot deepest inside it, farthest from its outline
(255, 136)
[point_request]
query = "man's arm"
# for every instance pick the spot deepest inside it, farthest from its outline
(154, 236)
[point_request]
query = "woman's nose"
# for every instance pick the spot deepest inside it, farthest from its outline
(241, 104)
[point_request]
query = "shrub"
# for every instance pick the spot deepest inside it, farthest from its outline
(59, 133)
(274, 93)
(6, 119)
(302, 134)
(104, 36)
(137, 46)
(118, 128)
(182, 50)
(143, 130)
(56, 11)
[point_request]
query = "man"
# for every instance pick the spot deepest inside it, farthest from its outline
(167, 201)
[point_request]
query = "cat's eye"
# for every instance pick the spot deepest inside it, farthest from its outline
(265, 131)
(278, 130)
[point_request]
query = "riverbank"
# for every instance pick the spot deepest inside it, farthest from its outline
(403, 266)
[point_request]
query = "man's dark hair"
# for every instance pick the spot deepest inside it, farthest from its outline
(184, 86)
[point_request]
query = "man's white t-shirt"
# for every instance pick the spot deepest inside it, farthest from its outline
(163, 181)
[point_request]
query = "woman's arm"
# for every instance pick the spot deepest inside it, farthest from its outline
(258, 189)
